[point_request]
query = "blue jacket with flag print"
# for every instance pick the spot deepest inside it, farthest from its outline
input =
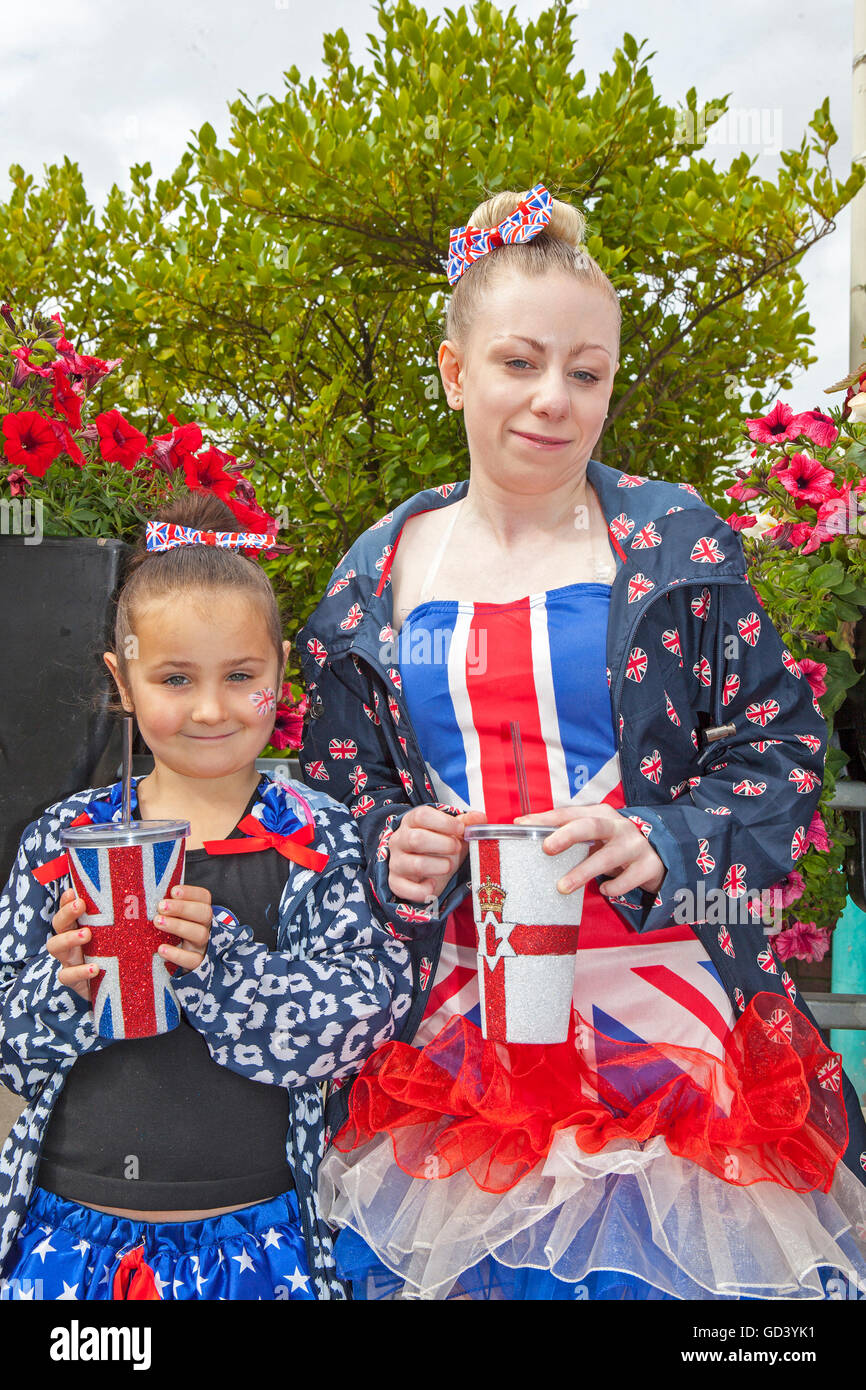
(300, 1017)
(689, 648)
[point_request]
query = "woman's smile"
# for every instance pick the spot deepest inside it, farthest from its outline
(541, 441)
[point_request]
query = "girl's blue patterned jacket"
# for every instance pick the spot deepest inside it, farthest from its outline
(303, 1015)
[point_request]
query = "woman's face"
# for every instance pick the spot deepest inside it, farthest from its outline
(203, 681)
(534, 379)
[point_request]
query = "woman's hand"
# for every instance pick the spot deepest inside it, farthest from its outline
(616, 844)
(66, 945)
(187, 914)
(425, 851)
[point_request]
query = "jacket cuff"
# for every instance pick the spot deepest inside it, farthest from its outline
(644, 910)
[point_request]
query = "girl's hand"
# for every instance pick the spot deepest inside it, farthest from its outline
(425, 851)
(67, 945)
(617, 844)
(187, 914)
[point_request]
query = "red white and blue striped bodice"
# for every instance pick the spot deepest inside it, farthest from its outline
(470, 668)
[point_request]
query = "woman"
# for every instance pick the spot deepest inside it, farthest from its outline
(667, 1149)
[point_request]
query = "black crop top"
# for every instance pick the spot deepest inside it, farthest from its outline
(156, 1123)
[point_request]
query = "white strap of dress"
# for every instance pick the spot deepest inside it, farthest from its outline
(426, 590)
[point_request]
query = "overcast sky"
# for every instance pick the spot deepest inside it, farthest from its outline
(110, 83)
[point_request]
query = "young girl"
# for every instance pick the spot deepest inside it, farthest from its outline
(693, 1137)
(183, 1166)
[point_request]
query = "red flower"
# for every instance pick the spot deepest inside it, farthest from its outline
(206, 472)
(67, 443)
(17, 483)
(23, 369)
(807, 480)
(252, 517)
(170, 451)
(289, 725)
(772, 428)
(740, 523)
(803, 941)
(816, 426)
(814, 671)
(119, 441)
(90, 369)
(67, 401)
(31, 441)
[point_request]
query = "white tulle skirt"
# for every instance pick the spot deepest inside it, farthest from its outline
(634, 1208)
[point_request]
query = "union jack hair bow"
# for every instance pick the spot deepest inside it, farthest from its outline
(468, 244)
(166, 535)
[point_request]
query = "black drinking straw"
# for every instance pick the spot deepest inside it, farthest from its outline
(520, 767)
(127, 769)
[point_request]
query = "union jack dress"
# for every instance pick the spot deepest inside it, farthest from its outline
(615, 1165)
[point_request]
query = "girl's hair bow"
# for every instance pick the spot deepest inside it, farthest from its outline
(165, 535)
(468, 244)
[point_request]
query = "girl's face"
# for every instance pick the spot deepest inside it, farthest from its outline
(193, 669)
(534, 379)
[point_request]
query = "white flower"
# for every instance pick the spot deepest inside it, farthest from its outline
(857, 408)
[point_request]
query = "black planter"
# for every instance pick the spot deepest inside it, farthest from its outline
(55, 727)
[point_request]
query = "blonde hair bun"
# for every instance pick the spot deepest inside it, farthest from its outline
(558, 248)
(566, 223)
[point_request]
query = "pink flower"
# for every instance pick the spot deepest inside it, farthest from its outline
(817, 427)
(817, 833)
(789, 889)
(803, 941)
(740, 523)
(17, 481)
(772, 428)
(814, 671)
(289, 725)
(789, 533)
(807, 480)
(740, 493)
(836, 517)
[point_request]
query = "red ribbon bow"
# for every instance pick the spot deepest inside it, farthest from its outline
(56, 868)
(290, 846)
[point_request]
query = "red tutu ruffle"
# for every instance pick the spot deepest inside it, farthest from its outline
(771, 1111)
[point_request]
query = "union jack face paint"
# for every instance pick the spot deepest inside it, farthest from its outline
(265, 701)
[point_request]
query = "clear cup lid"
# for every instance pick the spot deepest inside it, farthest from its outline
(508, 832)
(114, 833)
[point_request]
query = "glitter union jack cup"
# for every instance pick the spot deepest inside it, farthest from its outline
(121, 872)
(527, 932)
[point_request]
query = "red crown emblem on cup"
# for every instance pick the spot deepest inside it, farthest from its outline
(491, 896)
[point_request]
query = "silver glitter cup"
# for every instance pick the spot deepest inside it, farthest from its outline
(122, 871)
(527, 932)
